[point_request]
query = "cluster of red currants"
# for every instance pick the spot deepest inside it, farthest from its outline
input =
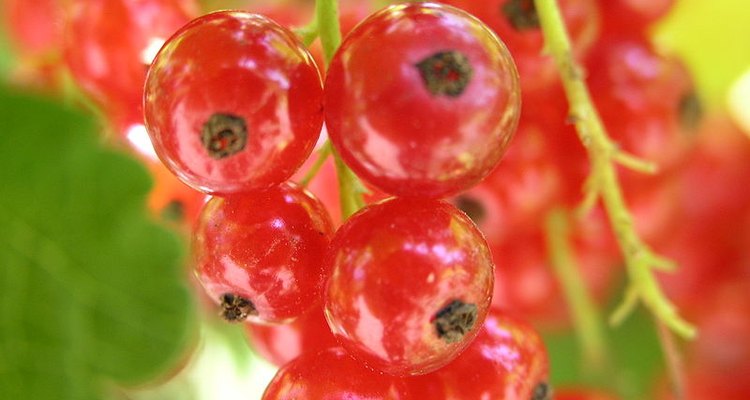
(421, 101)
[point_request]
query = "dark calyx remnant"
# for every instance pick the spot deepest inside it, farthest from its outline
(472, 207)
(690, 111)
(521, 14)
(235, 308)
(542, 391)
(446, 73)
(223, 135)
(453, 321)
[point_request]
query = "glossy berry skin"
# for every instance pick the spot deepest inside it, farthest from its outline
(233, 102)
(507, 361)
(421, 100)
(281, 343)
(265, 247)
(109, 45)
(332, 375)
(517, 23)
(411, 284)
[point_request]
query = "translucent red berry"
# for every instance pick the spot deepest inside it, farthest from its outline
(332, 374)
(507, 361)
(260, 254)
(233, 102)
(410, 286)
(422, 100)
(109, 45)
(281, 343)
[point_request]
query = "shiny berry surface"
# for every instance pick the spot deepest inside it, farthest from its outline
(332, 375)
(516, 22)
(281, 343)
(507, 361)
(109, 45)
(421, 100)
(233, 102)
(260, 254)
(411, 284)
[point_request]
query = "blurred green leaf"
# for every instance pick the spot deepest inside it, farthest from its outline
(636, 356)
(92, 292)
(712, 37)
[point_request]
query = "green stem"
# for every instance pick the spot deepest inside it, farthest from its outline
(308, 33)
(323, 154)
(640, 260)
(584, 312)
(673, 360)
(350, 190)
(327, 15)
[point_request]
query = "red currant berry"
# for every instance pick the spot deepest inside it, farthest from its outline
(36, 31)
(646, 101)
(422, 100)
(233, 102)
(332, 374)
(517, 23)
(507, 360)
(260, 254)
(282, 343)
(109, 45)
(633, 16)
(411, 284)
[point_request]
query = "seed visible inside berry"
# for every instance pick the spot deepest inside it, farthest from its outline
(446, 73)
(224, 135)
(235, 308)
(454, 320)
(521, 14)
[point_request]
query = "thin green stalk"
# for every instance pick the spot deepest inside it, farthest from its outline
(586, 318)
(323, 154)
(327, 15)
(673, 360)
(350, 190)
(603, 183)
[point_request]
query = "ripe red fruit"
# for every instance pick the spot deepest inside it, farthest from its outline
(260, 254)
(421, 100)
(281, 343)
(109, 45)
(410, 285)
(507, 361)
(233, 102)
(517, 24)
(646, 100)
(332, 374)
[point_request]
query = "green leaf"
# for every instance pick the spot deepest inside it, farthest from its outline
(636, 357)
(92, 292)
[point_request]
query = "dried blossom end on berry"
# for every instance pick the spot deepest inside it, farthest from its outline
(453, 321)
(224, 135)
(446, 73)
(521, 14)
(235, 308)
